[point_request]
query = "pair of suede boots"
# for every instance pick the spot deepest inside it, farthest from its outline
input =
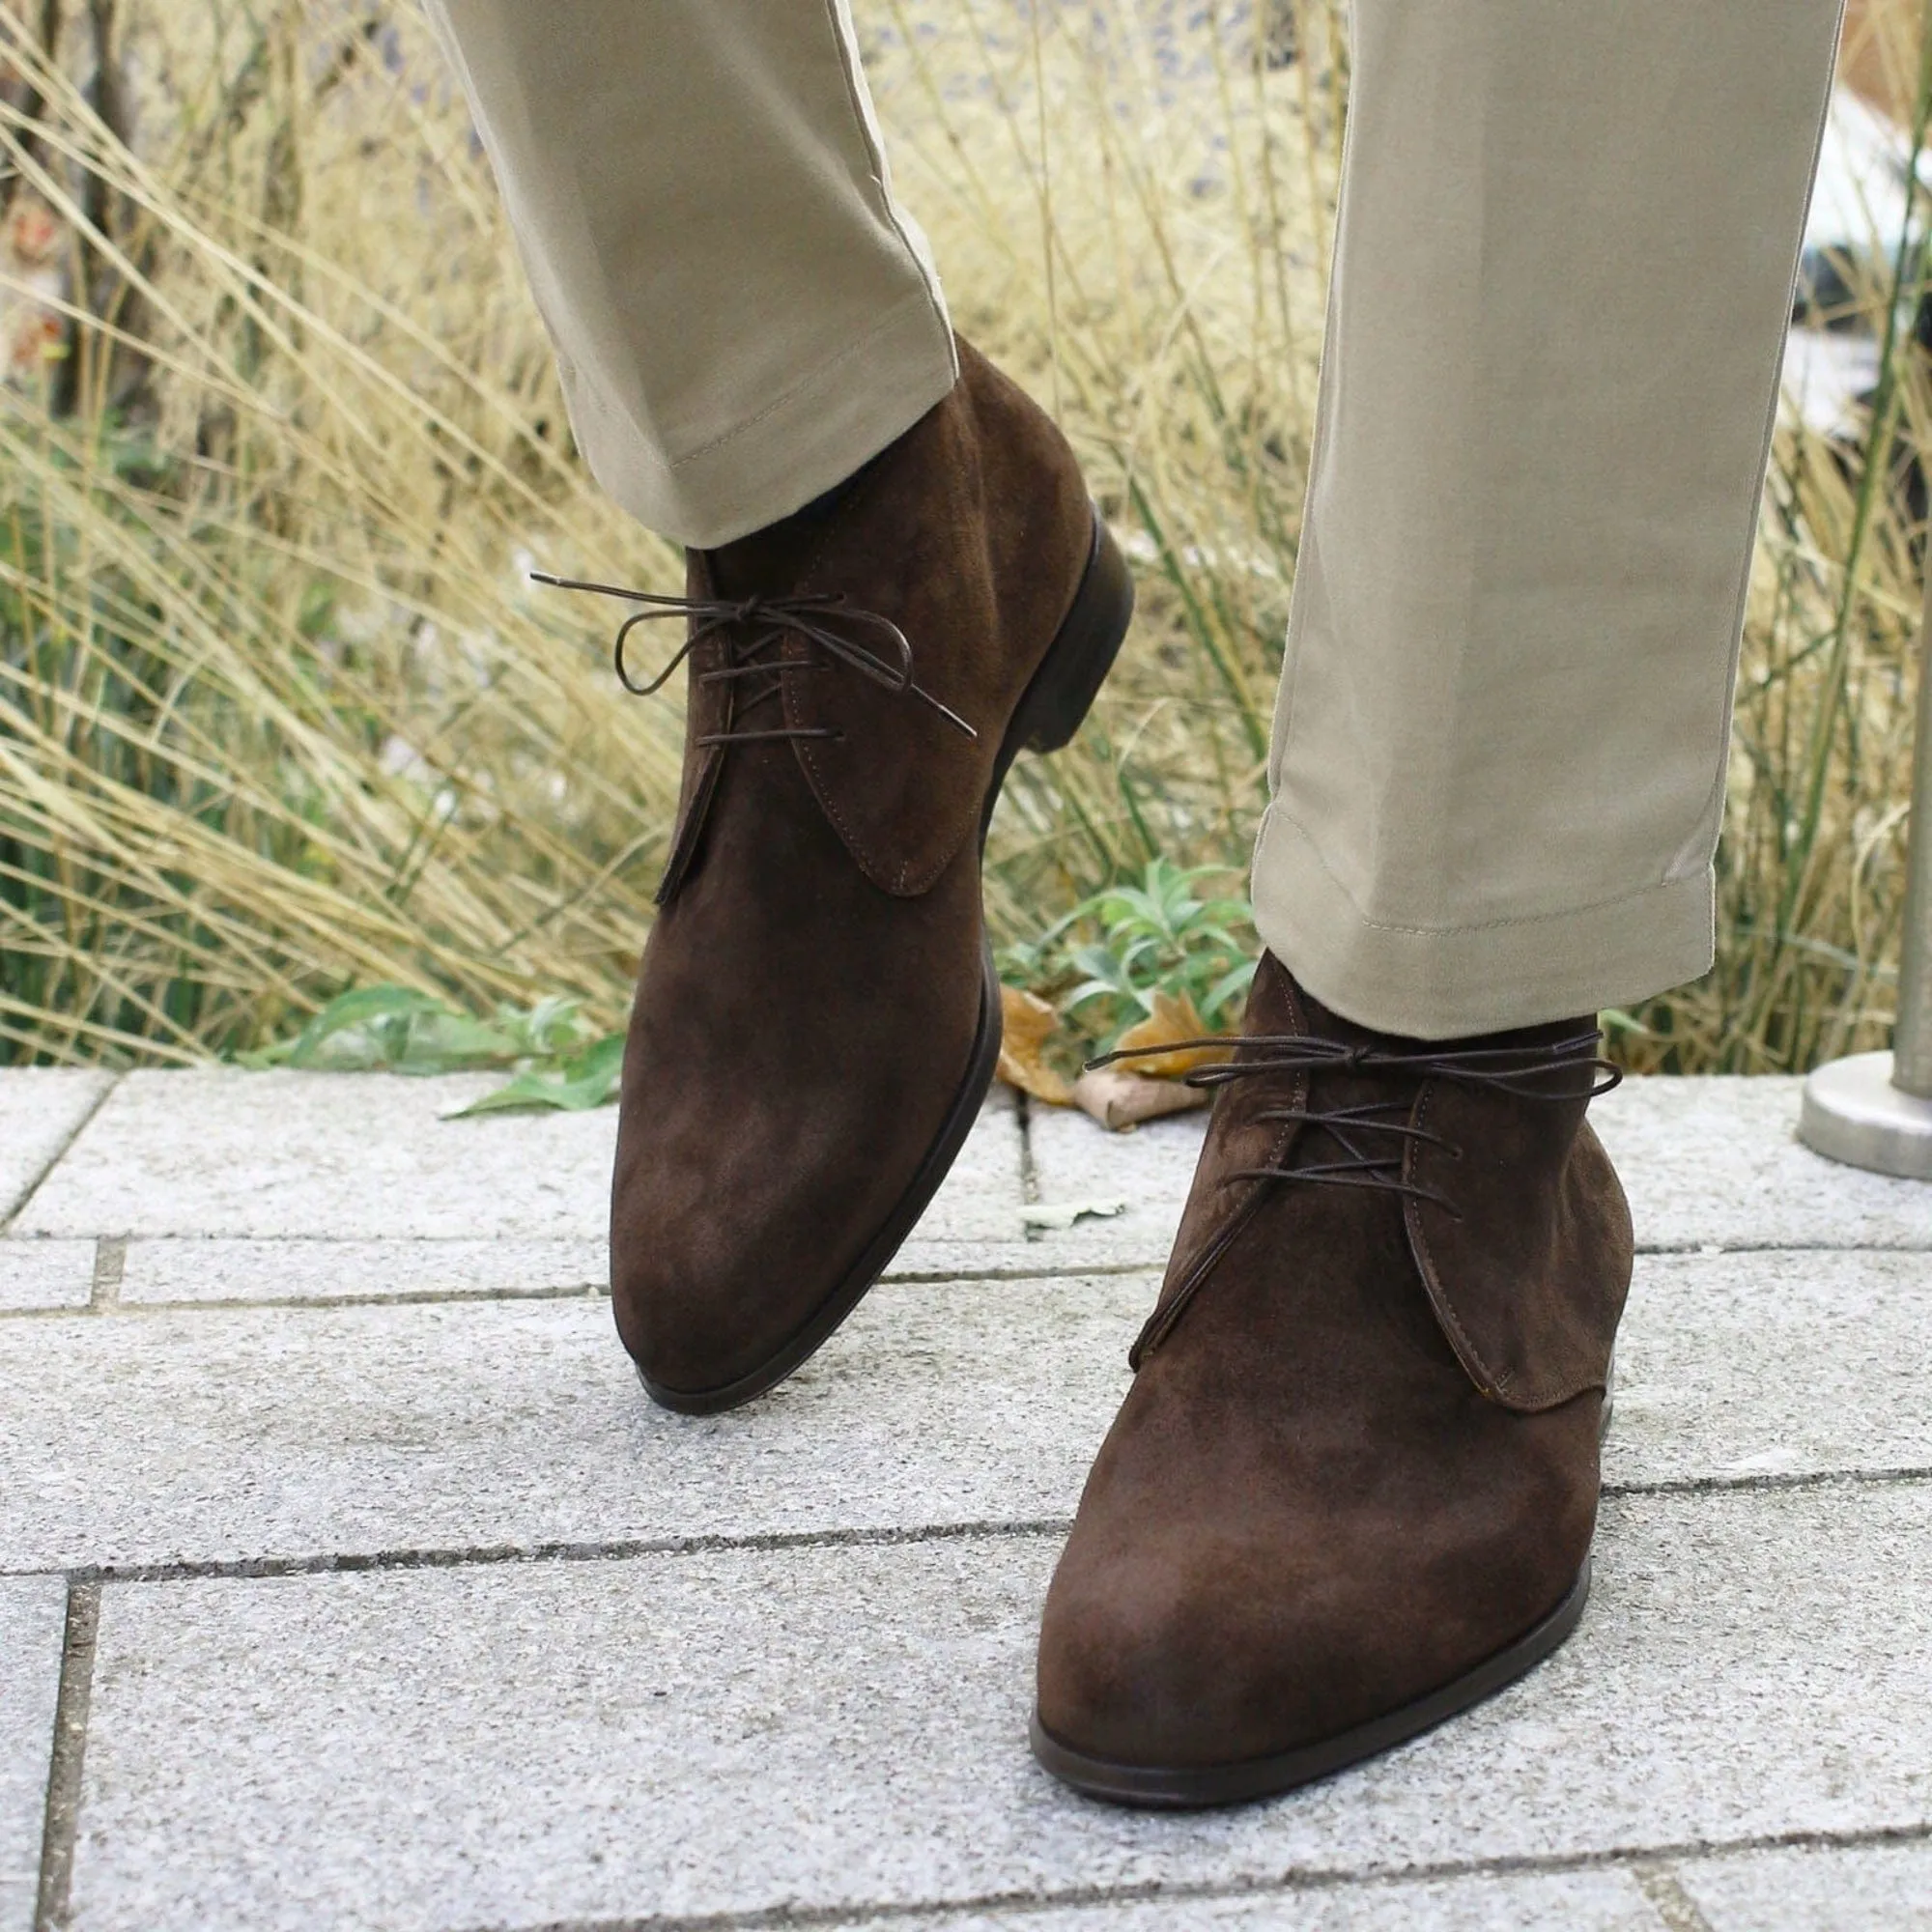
(1354, 1486)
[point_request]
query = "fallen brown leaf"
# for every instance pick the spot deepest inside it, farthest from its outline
(1030, 1023)
(1119, 1099)
(1173, 1020)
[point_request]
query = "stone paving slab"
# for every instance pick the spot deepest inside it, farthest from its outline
(232, 1155)
(1716, 1163)
(223, 1435)
(825, 1729)
(45, 1274)
(1880, 1885)
(1585, 1901)
(32, 1621)
(40, 1109)
(1706, 1162)
(219, 1436)
(1733, 1366)
(358, 1157)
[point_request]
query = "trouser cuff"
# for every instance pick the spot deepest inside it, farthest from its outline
(1451, 982)
(797, 446)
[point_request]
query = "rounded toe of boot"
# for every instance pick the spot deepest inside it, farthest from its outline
(710, 1322)
(729, 1269)
(1157, 1669)
(686, 1338)
(1192, 1675)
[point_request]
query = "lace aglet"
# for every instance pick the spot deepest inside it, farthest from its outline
(553, 582)
(945, 711)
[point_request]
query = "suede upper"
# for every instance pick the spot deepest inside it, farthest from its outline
(1309, 1513)
(810, 993)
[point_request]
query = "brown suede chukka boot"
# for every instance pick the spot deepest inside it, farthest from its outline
(817, 1019)
(1354, 1486)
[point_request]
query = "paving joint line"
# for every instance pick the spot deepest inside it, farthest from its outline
(1773, 1480)
(59, 1155)
(1155, 1891)
(576, 1292)
(624, 1550)
(1034, 1267)
(110, 1264)
(54, 1897)
(1028, 1168)
(620, 1549)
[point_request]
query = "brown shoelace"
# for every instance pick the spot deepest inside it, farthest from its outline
(1530, 1073)
(752, 627)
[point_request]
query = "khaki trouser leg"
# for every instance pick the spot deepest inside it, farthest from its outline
(1563, 270)
(742, 312)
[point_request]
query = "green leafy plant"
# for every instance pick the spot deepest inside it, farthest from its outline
(1105, 962)
(556, 1058)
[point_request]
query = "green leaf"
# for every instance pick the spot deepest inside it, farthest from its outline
(588, 1080)
(363, 1008)
(1227, 987)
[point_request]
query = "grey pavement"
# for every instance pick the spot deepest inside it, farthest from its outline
(412, 1612)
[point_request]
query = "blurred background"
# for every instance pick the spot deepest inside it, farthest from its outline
(281, 716)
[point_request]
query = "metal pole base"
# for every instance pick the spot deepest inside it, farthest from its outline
(1853, 1113)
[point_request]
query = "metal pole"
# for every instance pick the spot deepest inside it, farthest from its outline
(1874, 1110)
(1912, 1044)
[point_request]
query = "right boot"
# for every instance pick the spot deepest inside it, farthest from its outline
(817, 1018)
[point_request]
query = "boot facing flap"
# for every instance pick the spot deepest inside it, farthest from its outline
(1529, 1275)
(971, 533)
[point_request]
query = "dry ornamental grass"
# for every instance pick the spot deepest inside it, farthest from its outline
(280, 713)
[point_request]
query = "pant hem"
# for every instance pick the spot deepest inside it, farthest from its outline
(851, 405)
(1450, 983)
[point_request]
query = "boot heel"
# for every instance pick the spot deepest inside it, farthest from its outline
(1090, 638)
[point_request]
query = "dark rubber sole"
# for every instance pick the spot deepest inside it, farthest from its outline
(1049, 712)
(1194, 1787)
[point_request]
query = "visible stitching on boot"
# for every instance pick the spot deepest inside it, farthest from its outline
(870, 862)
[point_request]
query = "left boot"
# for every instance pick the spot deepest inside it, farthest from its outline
(817, 1018)
(1353, 1487)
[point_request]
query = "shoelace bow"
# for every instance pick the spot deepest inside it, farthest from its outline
(1531, 1073)
(767, 620)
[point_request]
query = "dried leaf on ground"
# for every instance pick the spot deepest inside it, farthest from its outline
(1119, 1099)
(1030, 1023)
(1173, 1020)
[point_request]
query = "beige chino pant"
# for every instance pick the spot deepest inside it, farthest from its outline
(1564, 260)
